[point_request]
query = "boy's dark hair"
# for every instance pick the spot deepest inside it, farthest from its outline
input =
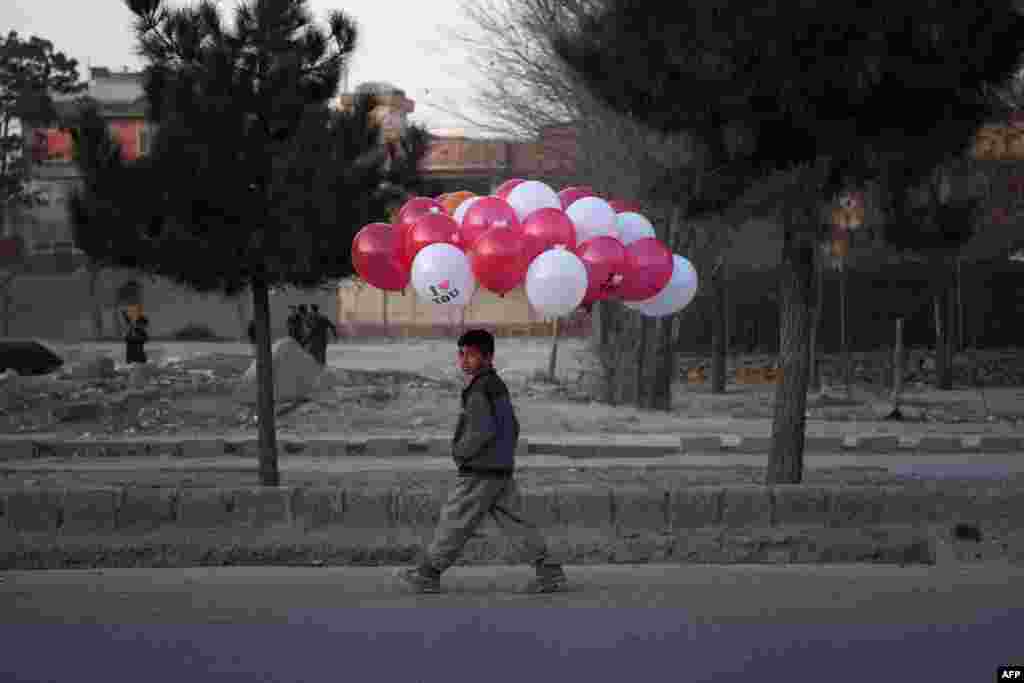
(481, 340)
(316, 308)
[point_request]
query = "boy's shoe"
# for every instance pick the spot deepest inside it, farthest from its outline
(549, 579)
(415, 580)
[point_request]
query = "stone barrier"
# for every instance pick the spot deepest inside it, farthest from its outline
(608, 510)
(15, 449)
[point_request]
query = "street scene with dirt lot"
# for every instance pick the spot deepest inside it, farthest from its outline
(706, 316)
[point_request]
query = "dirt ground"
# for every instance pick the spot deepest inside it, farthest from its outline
(404, 387)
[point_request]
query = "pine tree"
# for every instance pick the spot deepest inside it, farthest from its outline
(253, 181)
(796, 101)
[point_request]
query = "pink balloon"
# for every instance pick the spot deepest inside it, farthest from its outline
(428, 229)
(547, 228)
(375, 257)
(571, 194)
(416, 207)
(499, 260)
(606, 261)
(624, 205)
(507, 186)
(486, 213)
(648, 270)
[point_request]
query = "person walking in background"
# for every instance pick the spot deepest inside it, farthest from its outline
(135, 338)
(319, 326)
(294, 324)
(484, 449)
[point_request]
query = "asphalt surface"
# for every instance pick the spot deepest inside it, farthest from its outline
(689, 623)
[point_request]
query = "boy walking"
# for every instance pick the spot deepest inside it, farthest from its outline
(484, 449)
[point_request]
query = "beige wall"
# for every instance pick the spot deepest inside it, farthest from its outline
(367, 304)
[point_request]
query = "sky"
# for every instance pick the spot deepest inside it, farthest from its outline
(404, 42)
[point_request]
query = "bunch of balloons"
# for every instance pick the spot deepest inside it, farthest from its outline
(567, 249)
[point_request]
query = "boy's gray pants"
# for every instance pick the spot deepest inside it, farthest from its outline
(472, 499)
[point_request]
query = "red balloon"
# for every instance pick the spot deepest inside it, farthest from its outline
(624, 206)
(416, 207)
(546, 228)
(375, 256)
(605, 260)
(499, 260)
(486, 213)
(428, 229)
(648, 269)
(571, 194)
(507, 187)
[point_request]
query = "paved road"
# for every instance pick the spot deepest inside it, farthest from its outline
(731, 623)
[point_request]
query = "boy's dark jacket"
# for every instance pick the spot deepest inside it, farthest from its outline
(487, 431)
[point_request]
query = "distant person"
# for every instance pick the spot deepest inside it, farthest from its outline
(294, 324)
(319, 326)
(252, 332)
(135, 338)
(484, 449)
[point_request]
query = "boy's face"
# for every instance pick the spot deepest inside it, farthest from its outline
(472, 360)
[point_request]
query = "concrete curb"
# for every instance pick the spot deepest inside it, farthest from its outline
(374, 547)
(624, 509)
(26, 447)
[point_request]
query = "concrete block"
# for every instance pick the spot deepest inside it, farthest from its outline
(584, 506)
(640, 508)
(823, 444)
(855, 506)
(1000, 507)
(367, 510)
(755, 444)
(578, 450)
(34, 509)
(799, 505)
(325, 448)
(940, 444)
(879, 444)
(693, 507)
(145, 509)
(243, 448)
(416, 508)
(204, 508)
(699, 445)
(87, 510)
(262, 506)
(539, 507)
(16, 449)
(905, 505)
(438, 447)
(522, 448)
(851, 442)
(314, 508)
(746, 506)
(387, 447)
(1000, 444)
(202, 448)
(730, 442)
(971, 442)
(292, 447)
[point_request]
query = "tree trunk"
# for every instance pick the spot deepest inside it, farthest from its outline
(819, 301)
(553, 359)
(269, 475)
(785, 465)
(666, 368)
(844, 330)
(943, 306)
(640, 388)
(719, 345)
(97, 306)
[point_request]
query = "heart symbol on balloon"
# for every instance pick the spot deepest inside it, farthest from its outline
(443, 284)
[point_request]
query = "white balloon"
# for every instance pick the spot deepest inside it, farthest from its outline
(632, 227)
(592, 217)
(556, 282)
(531, 195)
(441, 274)
(461, 209)
(674, 296)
